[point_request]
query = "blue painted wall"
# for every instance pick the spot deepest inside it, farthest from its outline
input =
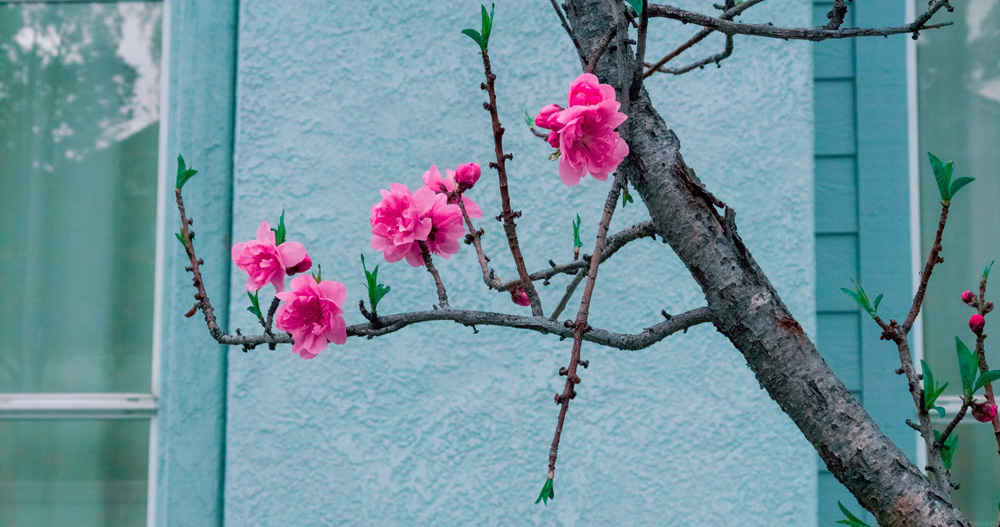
(436, 425)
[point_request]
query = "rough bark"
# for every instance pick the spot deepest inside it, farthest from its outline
(746, 309)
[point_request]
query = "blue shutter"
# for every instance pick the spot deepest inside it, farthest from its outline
(201, 38)
(862, 218)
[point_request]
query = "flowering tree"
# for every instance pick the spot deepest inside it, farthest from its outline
(609, 127)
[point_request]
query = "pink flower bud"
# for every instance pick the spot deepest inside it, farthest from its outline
(968, 297)
(301, 267)
(976, 323)
(520, 297)
(548, 117)
(467, 175)
(984, 412)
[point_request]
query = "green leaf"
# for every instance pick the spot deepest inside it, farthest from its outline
(942, 174)
(860, 297)
(474, 35)
(931, 390)
(279, 233)
(636, 6)
(487, 24)
(851, 520)
(987, 376)
(183, 172)
(986, 272)
(528, 119)
(878, 300)
(376, 291)
(958, 184)
(254, 304)
(318, 275)
(576, 233)
(548, 493)
(180, 238)
(626, 197)
(967, 366)
(948, 452)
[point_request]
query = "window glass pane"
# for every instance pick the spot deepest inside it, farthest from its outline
(959, 115)
(79, 111)
(73, 472)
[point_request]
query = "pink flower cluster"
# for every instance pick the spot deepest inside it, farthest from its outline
(311, 311)
(431, 215)
(585, 132)
(267, 263)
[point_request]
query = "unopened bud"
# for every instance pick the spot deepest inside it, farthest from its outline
(976, 323)
(968, 297)
(988, 307)
(520, 297)
(467, 175)
(984, 412)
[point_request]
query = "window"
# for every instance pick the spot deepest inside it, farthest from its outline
(958, 83)
(80, 111)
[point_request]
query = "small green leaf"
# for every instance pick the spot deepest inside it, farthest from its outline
(474, 35)
(318, 275)
(255, 304)
(986, 272)
(376, 291)
(180, 238)
(487, 24)
(860, 297)
(183, 172)
(942, 174)
(878, 300)
(530, 121)
(931, 390)
(986, 377)
(636, 6)
(851, 519)
(576, 233)
(948, 452)
(279, 233)
(958, 184)
(626, 197)
(967, 366)
(548, 493)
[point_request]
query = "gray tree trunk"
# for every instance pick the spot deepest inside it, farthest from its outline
(746, 308)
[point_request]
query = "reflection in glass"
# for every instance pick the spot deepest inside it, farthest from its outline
(959, 115)
(80, 473)
(79, 110)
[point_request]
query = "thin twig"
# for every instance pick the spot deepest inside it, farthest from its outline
(836, 14)
(569, 31)
(727, 51)
(489, 276)
(939, 442)
(785, 33)
(613, 244)
(933, 258)
(730, 14)
(570, 289)
(201, 296)
(602, 46)
(429, 263)
(508, 215)
(981, 354)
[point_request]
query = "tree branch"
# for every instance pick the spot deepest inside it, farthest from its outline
(933, 258)
(475, 238)
(981, 354)
(508, 215)
(429, 263)
(612, 245)
(785, 33)
(570, 289)
(569, 31)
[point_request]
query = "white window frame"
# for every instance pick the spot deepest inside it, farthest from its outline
(67, 406)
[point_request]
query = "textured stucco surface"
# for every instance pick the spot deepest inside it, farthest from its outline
(436, 425)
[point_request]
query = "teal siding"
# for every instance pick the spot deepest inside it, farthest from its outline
(199, 124)
(862, 217)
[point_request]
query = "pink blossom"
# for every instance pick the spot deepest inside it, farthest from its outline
(984, 412)
(398, 223)
(586, 90)
(520, 297)
(585, 132)
(311, 312)
(976, 323)
(401, 220)
(968, 297)
(266, 262)
(467, 175)
(448, 186)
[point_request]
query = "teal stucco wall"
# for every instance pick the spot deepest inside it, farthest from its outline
(436, 425)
